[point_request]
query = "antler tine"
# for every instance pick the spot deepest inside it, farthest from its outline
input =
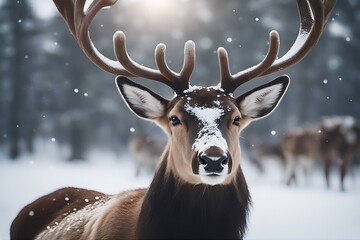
(177, 81)
(230, 82)
(189, 60)
(79, 24)
(86, 44)
(137, 69)
(181, 79)
(66, 9)
(328, 7)
(314, 15)
(79, 15)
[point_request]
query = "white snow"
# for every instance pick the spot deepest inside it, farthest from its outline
(209, 135)
(205, 43)
(75, 219)
(278, 212)
(32, 176)
(194, 88)
(338, 29)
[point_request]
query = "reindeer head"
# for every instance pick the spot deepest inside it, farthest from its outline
(203, 123)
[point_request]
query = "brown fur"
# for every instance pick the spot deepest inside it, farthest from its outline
(49, 210)
(202, 212)
(119, 219)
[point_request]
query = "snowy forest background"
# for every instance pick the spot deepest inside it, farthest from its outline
(50, 91)
(53, 97)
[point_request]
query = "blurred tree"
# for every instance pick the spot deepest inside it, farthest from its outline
(18, 29)
(3, 82)
(63, 76)
(348, 53)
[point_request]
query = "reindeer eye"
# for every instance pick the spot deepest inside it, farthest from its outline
(237, 121)
(175, 120)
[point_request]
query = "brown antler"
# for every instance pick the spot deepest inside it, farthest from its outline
(79, 23)
(313, 15)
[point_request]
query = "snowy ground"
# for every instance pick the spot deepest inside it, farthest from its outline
(278, 212)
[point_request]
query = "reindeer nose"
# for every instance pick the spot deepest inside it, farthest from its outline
(213, 163)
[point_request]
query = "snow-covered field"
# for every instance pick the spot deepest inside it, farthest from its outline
(278, 212)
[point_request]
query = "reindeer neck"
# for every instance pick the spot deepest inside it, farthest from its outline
(172, 209)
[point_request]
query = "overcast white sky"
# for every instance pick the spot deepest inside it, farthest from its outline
(46, 8)
(43, 8)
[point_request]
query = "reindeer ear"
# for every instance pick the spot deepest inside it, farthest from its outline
(141, 100)
(261, 101)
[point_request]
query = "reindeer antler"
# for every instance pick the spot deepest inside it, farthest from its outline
(79, 23)
(314, 15)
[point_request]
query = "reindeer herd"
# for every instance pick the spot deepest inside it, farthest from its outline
(333, 141)
(199, 190)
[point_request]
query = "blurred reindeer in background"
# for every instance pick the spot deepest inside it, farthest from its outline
(340, 142)
(335, 140)
(260, 151)
(146, 151)
(300, 146)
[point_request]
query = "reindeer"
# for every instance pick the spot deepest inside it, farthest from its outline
(300, 146)
(335, 140)
(340, 142)
(146, 151)
(260, 151)
(199, 190)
